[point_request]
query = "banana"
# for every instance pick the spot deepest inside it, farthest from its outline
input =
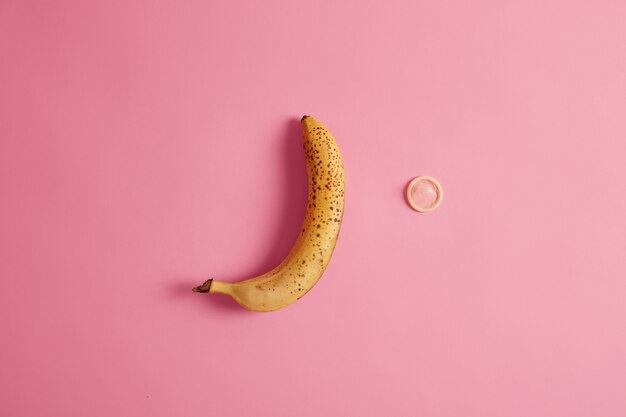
(310, 254)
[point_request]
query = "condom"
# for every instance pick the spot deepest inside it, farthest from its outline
(424, 193)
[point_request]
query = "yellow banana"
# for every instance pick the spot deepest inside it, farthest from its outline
(311, 252)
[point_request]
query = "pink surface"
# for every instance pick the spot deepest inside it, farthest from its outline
(147, 146)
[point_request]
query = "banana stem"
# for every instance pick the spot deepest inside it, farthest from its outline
(205, 287)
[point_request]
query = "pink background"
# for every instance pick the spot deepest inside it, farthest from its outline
(147, 146)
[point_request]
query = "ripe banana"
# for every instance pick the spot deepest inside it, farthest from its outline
(311, 252)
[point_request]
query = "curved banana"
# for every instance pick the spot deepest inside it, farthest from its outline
(311, 252)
